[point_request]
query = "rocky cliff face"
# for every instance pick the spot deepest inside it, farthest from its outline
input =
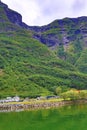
(59, 32)
(7, 14)
(67, 37)
(62, 32)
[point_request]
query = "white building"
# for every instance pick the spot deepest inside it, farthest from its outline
(10, 99)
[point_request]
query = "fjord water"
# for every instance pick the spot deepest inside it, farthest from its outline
(72, 117)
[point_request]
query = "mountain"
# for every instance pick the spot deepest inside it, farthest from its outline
(67, 37)
(30, 68)
(62, 31)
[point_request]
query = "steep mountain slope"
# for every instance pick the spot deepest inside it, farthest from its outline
(28, 67)
(14, 17)
(67, 37)
(81, 63)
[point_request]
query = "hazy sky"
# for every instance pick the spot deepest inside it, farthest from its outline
(41, 12)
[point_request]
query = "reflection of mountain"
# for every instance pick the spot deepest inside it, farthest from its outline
(30, 68)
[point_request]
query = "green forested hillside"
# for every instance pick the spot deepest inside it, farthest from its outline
(81, 63)
(67, 38)
(30, 68)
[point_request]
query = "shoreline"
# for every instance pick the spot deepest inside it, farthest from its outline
(16, 107)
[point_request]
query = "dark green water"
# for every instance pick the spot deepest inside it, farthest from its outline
(64, 118)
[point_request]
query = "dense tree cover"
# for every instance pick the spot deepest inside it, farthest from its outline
(30, 68)
(81, 63)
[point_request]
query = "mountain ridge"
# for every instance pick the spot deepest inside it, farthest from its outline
(59, 26)
(29, 68)
(13, 16)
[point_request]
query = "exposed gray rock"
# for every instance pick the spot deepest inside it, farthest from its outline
(59, 32)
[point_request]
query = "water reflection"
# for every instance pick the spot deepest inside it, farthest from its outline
(72, 117)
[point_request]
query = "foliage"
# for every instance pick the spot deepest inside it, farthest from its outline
(28, 68)
(74, 94)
